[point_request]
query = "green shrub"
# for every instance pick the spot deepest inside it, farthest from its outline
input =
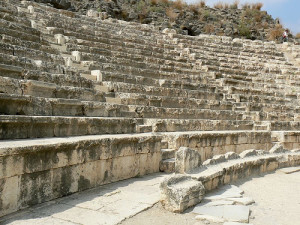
(244, 30)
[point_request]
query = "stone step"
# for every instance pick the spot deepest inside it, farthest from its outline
(164, 144)
(42, 163)
(18, 127)
(167, 165)
(168, 153)
(260, 127)
(89, 76)
(113, 100)
(38, 106)
(144, 128)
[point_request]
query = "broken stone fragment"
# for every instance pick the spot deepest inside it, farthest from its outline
(179, 192)
(248, 153)
(277, 148)
(231, 155)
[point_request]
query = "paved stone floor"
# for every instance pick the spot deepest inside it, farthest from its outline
(133, 202)
(108, 204)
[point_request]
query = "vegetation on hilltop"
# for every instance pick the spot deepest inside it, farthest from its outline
(235, 20)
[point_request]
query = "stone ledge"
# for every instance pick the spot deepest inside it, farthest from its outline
(35, 171)
(215, 175)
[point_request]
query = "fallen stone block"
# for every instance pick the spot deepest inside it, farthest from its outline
(186, 159)
(248, 153)
(277, 148)
(179, 192)
(231, 155)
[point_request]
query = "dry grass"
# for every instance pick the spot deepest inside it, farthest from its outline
(179, 4)
(194, 8)
(235, 4)
(257, 6)
(165, 2)
(258, 17)
(154, 2)
(202, 3)
(265, 25)
(221, 5)
(209, 28)
(218, 5)
(246, 6)
(171, 14)
(297, 35)
(275, 33)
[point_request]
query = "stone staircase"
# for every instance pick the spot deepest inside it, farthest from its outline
(96, 101)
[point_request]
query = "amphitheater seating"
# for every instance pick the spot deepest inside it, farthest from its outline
(77, 92)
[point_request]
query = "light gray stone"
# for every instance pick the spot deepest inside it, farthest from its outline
(242, 201)
(236, 213)
(231, 155)
(228, 191)
(248, 153)
(209, 218)
(179, 192)
(277, 148)
(236, 223)
(218, 202)
(290, 170)
(186, 159)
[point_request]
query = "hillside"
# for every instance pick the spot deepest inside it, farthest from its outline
(233, 20)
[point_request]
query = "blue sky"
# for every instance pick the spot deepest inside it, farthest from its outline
(288, 11)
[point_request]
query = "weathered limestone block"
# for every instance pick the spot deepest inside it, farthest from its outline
(186, 159)
(231, 155)
(168, 31)
(277, 148)
(30, 9)
(179, 192)
(92, 13)
(215, 160)
(248, 153)
(76, 55)
(98, 74)
(33, 24)
(60, 39)
(68, 61)
(33, 173)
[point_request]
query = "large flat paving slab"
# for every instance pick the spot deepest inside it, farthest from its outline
(109, 204)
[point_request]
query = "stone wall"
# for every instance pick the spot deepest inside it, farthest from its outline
(33, 172)
(289, 139)
(213, 143)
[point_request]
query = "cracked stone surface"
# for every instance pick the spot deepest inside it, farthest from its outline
(108, 204)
